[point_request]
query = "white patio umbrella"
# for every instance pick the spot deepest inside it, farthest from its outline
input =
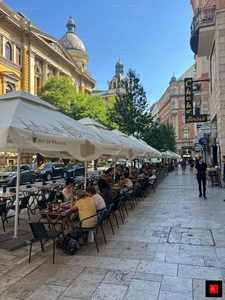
(150, 151)
(29, 124)
(167, 154)
(130, 150)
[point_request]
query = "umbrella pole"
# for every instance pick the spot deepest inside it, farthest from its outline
(17, 195)
(114, 173)
(85, 175)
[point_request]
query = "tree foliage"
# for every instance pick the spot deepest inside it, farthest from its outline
(161, 136)
(60, 92)
(130, 108)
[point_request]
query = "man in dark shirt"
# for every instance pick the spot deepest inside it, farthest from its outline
(201, 174)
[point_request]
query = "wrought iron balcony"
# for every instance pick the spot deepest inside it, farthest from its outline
(203, 19)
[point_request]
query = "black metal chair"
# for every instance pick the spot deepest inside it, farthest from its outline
(129, 198)
(3, 213)
(106, 217)
(23, 204)
(86, 230)
(117, 207)
(41, 233)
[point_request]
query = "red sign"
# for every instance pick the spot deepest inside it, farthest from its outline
(214, 288)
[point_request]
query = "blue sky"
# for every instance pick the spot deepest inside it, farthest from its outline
(149, 37)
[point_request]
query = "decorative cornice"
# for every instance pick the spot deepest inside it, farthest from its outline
(10, 64)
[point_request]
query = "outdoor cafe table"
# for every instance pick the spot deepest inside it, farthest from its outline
(65, 215)
(4, 197)
(36, 193)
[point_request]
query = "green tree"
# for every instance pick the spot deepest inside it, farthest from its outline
(59, 91)
(161, 136)
(130, 108)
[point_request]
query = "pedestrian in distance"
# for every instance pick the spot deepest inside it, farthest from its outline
(191, 164)
(175, 164)
(183, 165)
(201, 174)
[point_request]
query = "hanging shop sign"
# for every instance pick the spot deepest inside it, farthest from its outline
(189, 115)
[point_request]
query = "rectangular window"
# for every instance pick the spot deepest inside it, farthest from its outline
(36, 84)
(18, 56)
(213, 68)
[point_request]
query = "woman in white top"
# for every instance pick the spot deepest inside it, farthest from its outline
(153, 177)
(68, 191)
(99, 201)
(125, 182)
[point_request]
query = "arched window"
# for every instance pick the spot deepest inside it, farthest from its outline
(8, 51)
(114, 85)
(8, 88)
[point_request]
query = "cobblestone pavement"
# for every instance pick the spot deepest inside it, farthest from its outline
(168, 246)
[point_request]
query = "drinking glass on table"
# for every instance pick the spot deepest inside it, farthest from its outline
(59, 203)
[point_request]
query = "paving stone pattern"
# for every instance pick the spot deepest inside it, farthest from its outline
(167, 247)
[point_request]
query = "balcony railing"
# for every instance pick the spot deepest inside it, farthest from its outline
(203, 17)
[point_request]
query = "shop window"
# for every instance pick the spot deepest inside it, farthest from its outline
(8, 51)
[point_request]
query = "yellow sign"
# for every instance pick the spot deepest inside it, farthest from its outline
(189, 116)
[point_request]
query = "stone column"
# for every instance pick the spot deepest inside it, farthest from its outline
(31, 70)
(45, 70)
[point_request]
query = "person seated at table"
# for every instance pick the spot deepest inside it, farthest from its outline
(143, 175)
(131, 175)
(125, 181)
(126, 169)
(108, 178)
(99, 201)
(105, 191)
(86, 208)
(110, 169)
(152, 178)
(68, 191)
(135, 171)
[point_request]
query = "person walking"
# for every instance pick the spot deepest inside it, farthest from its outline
(191, 164)
(201, 174)
(175, 164)
(183, 165)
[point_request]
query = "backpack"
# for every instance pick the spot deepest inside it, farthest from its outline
(69, 245)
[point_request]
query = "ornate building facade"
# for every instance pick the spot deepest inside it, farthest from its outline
(114, 84)
(29, 56)
(170, 109)
(208, 44)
